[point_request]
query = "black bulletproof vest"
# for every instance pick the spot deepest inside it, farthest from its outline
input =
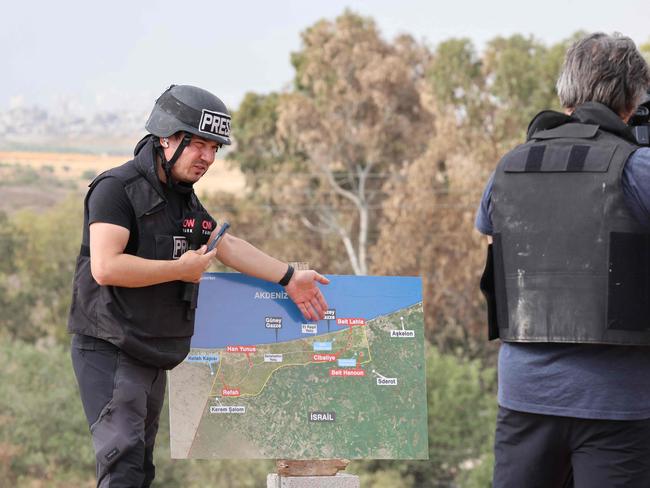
(150, 323)
(571, 264)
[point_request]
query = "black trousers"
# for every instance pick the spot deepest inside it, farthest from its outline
(547, 451)
(122, 399)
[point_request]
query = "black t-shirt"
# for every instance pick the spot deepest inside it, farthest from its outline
(109, 203)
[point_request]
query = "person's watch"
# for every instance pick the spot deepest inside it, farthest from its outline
(287, 276)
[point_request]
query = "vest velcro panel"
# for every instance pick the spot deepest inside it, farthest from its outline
(571, 262)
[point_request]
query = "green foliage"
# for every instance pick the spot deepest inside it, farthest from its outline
(645, 50)
(496, 93)
(354, 116)
(385, 478)
(43, 432)
(28, 176)
(258, 147)
(455, 72)
(480, 475)
(15, 299)
(21, 175)
(36, 287)
(8, 244)
(520, 78)
(88, 174)
(462, 411)
(44, 436)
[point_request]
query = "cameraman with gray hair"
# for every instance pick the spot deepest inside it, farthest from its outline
(567, 282)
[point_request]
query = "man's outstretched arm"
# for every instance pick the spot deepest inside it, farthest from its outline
(302, 288)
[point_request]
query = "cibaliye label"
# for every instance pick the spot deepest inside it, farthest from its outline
(324, 357)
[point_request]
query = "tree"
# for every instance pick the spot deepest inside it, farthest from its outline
(354, 116)
(482, 105)
(36, 287)
(14, 300)
(43, 432)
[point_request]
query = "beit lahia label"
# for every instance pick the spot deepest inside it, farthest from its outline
(260, 382)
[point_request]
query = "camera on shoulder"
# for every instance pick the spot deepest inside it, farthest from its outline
(640, 122)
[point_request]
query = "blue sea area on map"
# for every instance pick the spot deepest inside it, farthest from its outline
(232, 307)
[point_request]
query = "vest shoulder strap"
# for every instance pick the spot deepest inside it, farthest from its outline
(143, 196)
(570, 148)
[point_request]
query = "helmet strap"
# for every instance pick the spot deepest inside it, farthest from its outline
(168, 165)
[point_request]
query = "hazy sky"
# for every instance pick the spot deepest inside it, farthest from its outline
(122, 54)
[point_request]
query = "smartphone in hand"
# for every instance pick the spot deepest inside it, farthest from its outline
(218, 237)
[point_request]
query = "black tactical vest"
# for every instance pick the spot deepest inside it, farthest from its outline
(570, 262)
(150, 323)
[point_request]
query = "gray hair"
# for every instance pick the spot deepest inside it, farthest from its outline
(606, 69)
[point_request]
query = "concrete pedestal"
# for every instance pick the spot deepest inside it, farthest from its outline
(341, 480)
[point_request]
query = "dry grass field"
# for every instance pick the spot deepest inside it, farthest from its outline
(39, 180)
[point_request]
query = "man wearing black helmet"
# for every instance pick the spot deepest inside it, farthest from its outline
(143, 249)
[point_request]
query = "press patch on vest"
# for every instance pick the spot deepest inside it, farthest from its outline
(628, 303)
(180, 247)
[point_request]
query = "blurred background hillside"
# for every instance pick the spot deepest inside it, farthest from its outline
(371, 160)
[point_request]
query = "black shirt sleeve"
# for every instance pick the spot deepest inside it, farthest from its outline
(109, 203)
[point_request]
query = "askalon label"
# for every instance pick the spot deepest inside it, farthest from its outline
(215, 123)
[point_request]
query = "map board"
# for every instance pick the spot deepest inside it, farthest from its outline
(262, 382)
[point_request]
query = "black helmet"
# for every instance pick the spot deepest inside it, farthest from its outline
(192, 110)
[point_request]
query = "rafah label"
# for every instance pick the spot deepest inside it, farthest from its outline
(215, 123)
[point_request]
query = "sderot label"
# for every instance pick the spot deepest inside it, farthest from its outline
(386, 381)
